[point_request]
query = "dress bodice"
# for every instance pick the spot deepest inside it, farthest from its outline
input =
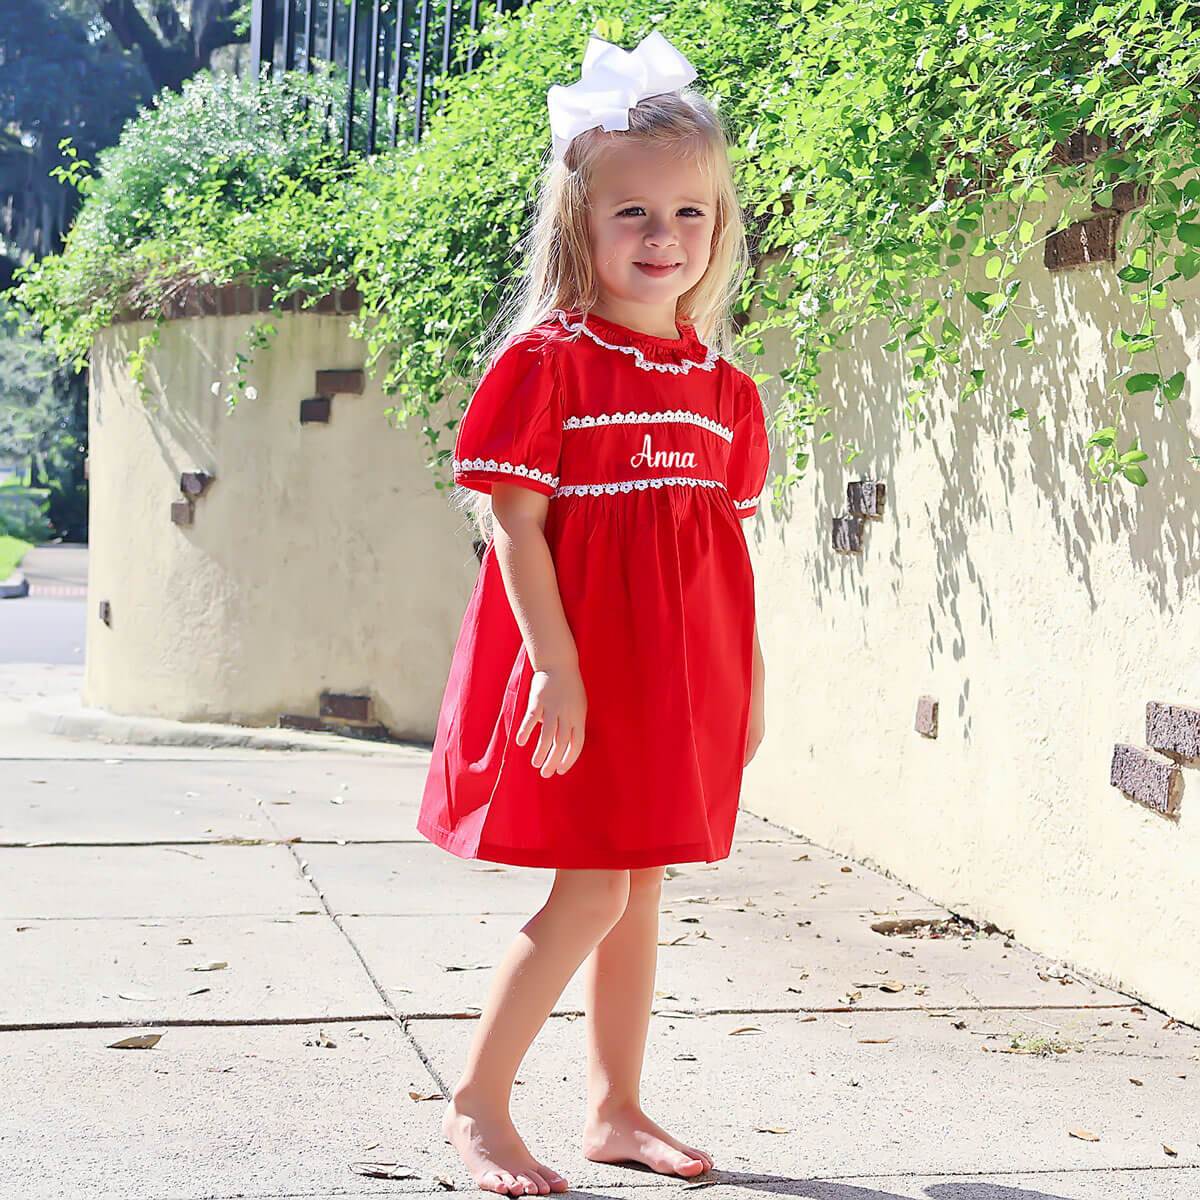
(581, 406)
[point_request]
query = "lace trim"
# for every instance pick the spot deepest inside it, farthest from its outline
(746, 503)
(627, 485)
(630, 418)
(640, 360)
(491, 464)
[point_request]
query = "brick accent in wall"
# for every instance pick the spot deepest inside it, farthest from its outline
(330, 383)
(1146, 779)
(1173, 729)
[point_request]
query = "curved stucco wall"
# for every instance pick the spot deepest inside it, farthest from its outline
(1043, 612)
(321, 557)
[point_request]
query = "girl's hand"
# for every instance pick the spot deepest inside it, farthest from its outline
(557, 699)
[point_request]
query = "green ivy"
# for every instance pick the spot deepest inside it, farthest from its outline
(899, 141)
(880, 148)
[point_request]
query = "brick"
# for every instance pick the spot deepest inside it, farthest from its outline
(1083, 243)
(1146, 779)
(1126, 196)
(865, 497)
(208, 298)
(181, 512)
(194, 483)
(299, 721)
(847, 533)
(245, 299)
(349, 300)
(927, 716)
(326, 304)
(1174, 729)
(345, 707)
(315, 408)
(330, 383)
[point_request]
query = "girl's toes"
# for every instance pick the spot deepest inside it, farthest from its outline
(532, 1183)
(553, 1178)
(685, 1164)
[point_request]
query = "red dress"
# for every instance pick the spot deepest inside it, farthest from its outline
(651, 449)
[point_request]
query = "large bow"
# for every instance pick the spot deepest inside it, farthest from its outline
(611, 82)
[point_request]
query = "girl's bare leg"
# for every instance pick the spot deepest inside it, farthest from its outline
(619, 979)
(582, 907)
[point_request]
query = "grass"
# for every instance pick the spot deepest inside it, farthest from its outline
(12, 550)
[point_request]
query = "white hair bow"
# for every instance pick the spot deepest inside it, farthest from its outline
(611, 82)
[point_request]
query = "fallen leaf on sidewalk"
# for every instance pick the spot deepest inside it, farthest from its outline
(199, 991)
(426, 1095)
(465, 966)
(384, 1170)
(771, 1129)
(489, 868)
(1173, 1153)
(140, 1041)
(321, 1039)
(746, 1029)
(685, 1058)
(212, 966)
(1083, 1134)
(444, 1181)
(874, 1041)
(135, 996)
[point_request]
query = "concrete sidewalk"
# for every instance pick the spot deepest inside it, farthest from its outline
(312, 967)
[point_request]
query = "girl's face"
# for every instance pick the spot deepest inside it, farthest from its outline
(648, 208)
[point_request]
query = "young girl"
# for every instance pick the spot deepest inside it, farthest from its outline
(612, 624)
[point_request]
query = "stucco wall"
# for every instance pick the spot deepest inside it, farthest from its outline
(321, 557)
(1042, 610)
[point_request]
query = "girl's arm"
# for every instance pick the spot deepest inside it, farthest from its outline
(556, 695)
(757, 726)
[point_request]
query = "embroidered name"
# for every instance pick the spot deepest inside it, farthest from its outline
(662, 458)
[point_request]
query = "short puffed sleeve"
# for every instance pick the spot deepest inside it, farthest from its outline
(749, 452)
(511, 431)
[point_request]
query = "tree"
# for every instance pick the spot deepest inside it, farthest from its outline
(178, 49)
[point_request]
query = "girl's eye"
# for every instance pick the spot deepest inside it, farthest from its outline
(638, 207)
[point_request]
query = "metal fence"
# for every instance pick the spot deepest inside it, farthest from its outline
(388, 48)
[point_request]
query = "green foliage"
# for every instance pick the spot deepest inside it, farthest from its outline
(898, 142)
(12, 548)
(219, 182)
(882, 148)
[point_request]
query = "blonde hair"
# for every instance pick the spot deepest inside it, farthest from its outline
(558, 271)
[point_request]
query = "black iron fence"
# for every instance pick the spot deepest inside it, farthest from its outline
(391, 51)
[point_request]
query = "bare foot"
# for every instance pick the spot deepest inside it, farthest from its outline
(493, 1152)
(630, 1135)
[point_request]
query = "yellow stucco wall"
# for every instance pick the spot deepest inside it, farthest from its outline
(321, 557)
(1042, 610)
